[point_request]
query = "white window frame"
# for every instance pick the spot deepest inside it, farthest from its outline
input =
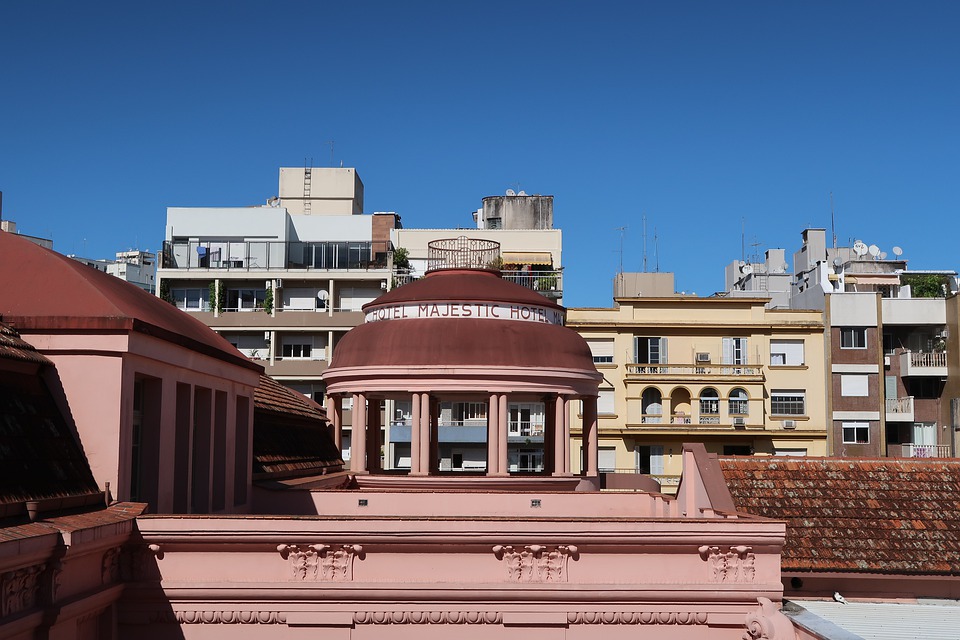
(854, 385)
(606, 402)
(789, 396)
(849, 337)
(601, 349)
(790, 353)
(734, 351)
(854, 428)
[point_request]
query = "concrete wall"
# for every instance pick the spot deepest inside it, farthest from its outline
(333, 191)
(238, 223)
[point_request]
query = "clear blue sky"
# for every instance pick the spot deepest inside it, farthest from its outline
(697, 114)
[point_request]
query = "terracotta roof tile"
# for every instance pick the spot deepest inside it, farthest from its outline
(290, 433)
(14, 348)
(894, 516)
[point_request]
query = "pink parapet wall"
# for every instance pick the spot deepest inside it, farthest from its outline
(471, 564)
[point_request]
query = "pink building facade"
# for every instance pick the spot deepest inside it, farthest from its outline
(363, 553)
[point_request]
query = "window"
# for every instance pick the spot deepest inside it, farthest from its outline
(854, 384)
(470, 412)
(853, 338)
(650, 350)
(526, 419)
(788, 403)
(737, 450)
(738, 404)
(602, 351)
(709, 402)
(191, 299)
(652, 406)
(297, 350)
(856, 433)
(799, 453)
(734, 351)
(788, 353)
(245, 299)
(607, 459)
(605, 403)
(649, 459)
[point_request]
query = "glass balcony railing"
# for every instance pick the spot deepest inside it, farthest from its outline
(264, 255)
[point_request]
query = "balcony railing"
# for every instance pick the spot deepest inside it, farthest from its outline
(548, 283)
(708, 370)
(709, 419)
(679, 418)
(923, 363)
(264, 255)
(910, 450)
(525, 429)
(651, 418)
(900, 405)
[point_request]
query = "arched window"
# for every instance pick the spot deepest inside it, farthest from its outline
(709, 403)
(739, 405)
(652, 405)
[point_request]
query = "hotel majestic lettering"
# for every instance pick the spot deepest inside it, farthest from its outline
(482, 310)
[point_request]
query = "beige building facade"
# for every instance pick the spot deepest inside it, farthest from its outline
(727, 372)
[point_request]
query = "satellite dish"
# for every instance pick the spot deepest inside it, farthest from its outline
(274, 201)
(897, 251)
(522, 193)
(874, 250)
(837, 263)
(883, 255)
(511, 192)
(747, 269)
(859, 248)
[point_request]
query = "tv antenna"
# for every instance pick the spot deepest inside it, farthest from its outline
(833, 224)
(621, 230)
(644, 242)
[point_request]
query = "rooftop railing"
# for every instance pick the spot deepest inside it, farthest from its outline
(264, 255)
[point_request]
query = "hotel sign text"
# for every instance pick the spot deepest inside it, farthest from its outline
(482, 310)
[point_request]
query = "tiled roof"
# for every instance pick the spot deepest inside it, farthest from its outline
(14, 348)
(39, 456)
(892, 516)
(273, 396)
(290, 435)
(44, 290)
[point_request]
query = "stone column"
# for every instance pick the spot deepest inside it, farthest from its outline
(374, 441)
(337, 409)
(561, 465)
(590, 436)
(425, 434)
(566, 437)
(549, 435)
(415, 433)
(493, 435)
(434, 443)
(503, 420)
(358, 435)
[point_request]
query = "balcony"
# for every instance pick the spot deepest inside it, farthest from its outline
(924, 363)
(900, 409)
(547, 283)
(525, 429)
(265, 255)
(637, 372)
(910, 450)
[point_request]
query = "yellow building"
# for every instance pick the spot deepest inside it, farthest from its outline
(724, 371)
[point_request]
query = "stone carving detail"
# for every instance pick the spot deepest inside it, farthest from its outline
(637, 617)
(20, 589)
(736, 565)
(536, 562)
(427, 617)
(110, 566)
(330, 563)
(219, 617)
(768, 623)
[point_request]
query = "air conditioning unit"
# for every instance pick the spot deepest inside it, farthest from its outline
(789, 424)
(279, 283)
(703, 356)
(886, 361)
(739, 423)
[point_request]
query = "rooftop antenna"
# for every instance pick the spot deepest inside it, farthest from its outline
(656, 249)
(743, 240)
(330, 142)
(621, 230)
(755, 257)
(833, 224)
(644, 242)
